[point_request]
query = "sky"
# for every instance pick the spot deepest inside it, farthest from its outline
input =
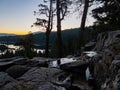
(17, 16)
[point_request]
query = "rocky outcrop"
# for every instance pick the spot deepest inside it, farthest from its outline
(112, 82)
(36, 79)
(107, 39)
(106, 65)
(68, 84)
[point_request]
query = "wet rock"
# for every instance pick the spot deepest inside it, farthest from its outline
(5, 78)
(77, 67)
(17, 70)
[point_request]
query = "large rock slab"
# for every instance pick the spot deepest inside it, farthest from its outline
(8, 62)
(17, 70)
(75, 66)
(41, 74)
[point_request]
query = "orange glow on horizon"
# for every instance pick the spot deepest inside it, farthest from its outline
(20, 33)
(17, 32)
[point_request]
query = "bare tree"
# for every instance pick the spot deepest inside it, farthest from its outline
(47, 22)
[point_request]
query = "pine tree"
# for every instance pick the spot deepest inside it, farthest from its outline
(107, 15)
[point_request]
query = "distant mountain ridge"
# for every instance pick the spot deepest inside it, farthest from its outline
(40, 38)
(6, 34)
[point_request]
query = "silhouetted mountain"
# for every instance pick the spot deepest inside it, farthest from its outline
(39, 37)
(66, 34)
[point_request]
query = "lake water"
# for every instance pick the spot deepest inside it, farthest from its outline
(13, 48)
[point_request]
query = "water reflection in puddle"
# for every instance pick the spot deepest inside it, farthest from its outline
(90, 53)
(63, 61)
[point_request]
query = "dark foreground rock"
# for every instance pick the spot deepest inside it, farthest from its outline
(8, 62)
(41, 74)
(36, 79)
(5, 78)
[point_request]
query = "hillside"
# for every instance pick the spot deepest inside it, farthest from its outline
(39, 38)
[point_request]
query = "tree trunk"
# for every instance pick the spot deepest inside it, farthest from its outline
(83, 21)
(48, 30)
(47, 44)
(59, 37)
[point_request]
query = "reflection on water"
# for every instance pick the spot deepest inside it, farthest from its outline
(63, 61)
(39, 50)
(87, 73)
(90, 53)
(13, 48)
(69, 60)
